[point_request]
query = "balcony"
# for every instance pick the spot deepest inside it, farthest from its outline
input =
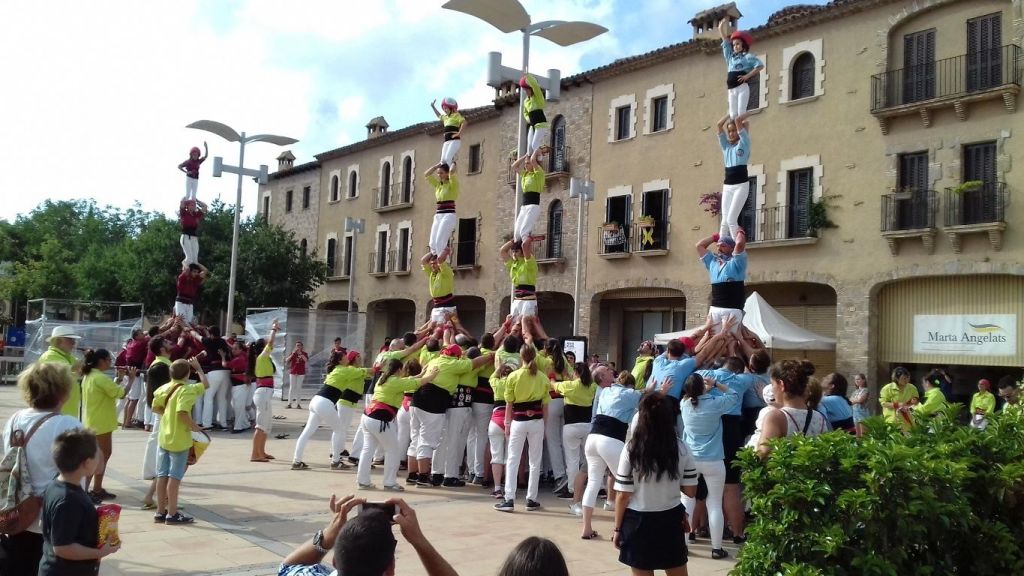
(466, 255)
(952, 82)
(549, 249)
(778, 226)
(615, 241)
(379, 264)
(400, 262)
(975, 210)
(558, 166)
(393, 197)
(649, 238)
(909, 214)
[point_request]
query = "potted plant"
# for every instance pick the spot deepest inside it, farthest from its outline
(969, 186)
(645, 221)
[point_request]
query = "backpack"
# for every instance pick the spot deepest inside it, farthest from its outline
(19, 507)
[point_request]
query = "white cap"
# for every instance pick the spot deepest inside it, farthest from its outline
(64, 332)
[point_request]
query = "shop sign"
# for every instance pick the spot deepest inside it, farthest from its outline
(967, 335)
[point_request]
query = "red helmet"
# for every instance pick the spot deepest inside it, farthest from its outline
(523, 83)
(194, 150)
(744, 37)
(450, 103)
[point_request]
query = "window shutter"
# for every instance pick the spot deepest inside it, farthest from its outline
(558, 157)
(984, 57)
(799, 203)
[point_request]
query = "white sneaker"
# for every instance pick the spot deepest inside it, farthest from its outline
(576, 509)
(394, 488)
(609, 506)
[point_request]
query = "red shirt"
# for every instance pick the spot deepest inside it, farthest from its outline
(192, 167)
(136, 351)
(188, 287)
(297, 363)
(239, 366)
(190, 221)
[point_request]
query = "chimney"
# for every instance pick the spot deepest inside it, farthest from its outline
(376, 128)
(285, 161)
(705, 24)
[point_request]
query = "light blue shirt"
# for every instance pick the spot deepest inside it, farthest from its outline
(702, 424)
(744, 62)
(836, 408)
(738, 383)
(737, 154)
(678, 370)
(618, 402)
(733, 269)
(753, 399)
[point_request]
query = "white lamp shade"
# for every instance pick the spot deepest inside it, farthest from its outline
(571, 33)
(505, 15)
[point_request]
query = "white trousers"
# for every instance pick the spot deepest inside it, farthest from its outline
(152, 445)
(459, 421)
(190, 248)
(216, 398)
(448, 151)
(529, 432)
(718, 314)
(734, 196)
(295, 386)
(497, 437)
(553, 425)
(478, 437)
(357, 440)
(714, 477)
(321, 411)
(404, 433)
(535, 138)
(183, 310)
(525, 221)
(602, 453)
(441, 231)
(239, 398)
(345, 414)
(738, 98)
(377, 434)
(426, 431)
(191, 188)
(573, 438)
(263, 398)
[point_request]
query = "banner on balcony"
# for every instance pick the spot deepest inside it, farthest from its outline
(968, 335)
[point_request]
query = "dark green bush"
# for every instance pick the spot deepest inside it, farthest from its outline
(942, 499)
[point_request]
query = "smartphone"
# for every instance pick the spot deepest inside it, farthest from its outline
(388, 509)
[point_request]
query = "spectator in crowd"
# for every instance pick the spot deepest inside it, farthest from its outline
(859, 402)
(983, 405)
(898, 397)
(365, 545)
(836, 406)
(1009, 391)
(934, 400)
(789, 385)
(535, 557)
(45, 387)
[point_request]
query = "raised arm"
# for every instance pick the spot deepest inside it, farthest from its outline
(506, 251)
(741, 242)
(206, 151)
(702, 246)
(722, 123)
(433, 106)
(723, 29)
(274, 327)
(528, 247)
(519, 164)
(430, 171)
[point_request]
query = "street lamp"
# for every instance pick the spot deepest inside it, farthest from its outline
(509, 16)
(584, 190)
(228, 133)
(355, 226)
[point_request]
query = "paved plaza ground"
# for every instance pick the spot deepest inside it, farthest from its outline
(249, 516)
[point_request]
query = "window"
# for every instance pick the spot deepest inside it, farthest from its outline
(332, 256)
(982, 204)
(303, 246)
(380, 265)
(919, 66)
(288, 201)
(755, 92)
(348, 257)
(659, 114)
(908, 209)
(655, 205)
(404, 249)
(554, 247)
(305, 197)
(799, 205)
(559, 152)
(385, 184)
(334, 188)
(623, 122)
(618, 210)
(466, 243)
(802, 85)
(353, 182)
(748, 215)
(984, 56)
(407, 179)
(475, 159)
(266, 209)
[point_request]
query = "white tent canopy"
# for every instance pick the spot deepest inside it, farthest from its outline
(774, 329)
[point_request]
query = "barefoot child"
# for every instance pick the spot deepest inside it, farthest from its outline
(454, 124)
(742, 66)
(191, 169)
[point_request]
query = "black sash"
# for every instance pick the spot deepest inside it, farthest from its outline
(730, 294)
(531, 198)
(733, 79)
(736, 174)
(351, 396)
(330, 392)
(577, 414)
(536, 116)
(526, 411)
(525, 290)
(446, 207)
(609, 426)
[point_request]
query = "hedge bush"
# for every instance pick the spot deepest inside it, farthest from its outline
(941, 499)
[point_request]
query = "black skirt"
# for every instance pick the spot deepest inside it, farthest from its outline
(653, 540)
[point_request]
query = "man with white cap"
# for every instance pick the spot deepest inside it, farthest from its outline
(62, 343)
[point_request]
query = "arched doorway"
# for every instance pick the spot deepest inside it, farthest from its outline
(389, 318)
(628, 316)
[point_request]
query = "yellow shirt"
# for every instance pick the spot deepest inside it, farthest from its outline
(533, 180)
(99, 402)
(450, 371)
(73, 405)
(348, 378)
(934, 402)
(444, 191)
(486, 370)
(509, 359)
(891, 393)
(426, 356)
(639, 369)
(984, 401)
(576, 394)
(498, 385)
(175, 435)
(521, 386)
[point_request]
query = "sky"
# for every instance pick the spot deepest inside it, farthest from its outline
(97, 94)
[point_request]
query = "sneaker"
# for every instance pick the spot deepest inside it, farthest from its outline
(96, 499)
(339, 465)
(436, 479)
(159, 518)
(693, 537)
(179, 518)
(353, 460)
(344, 453)
(602, 493)
(366, 486)
(564, 493)
(477, 480)
(288, 407)
(412, 479)
(378, 462)
(300, 466)
(609, 506)
(719, 554)
(498, 494)
(394, 488)
(561, 483)
(532, 505)
(453, 483)
(424, 482)
(576, 509)
(505, 506)
(240, 431)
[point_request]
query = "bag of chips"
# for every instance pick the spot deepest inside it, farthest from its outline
(109, 514)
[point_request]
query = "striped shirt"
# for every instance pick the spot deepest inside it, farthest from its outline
(651, 494)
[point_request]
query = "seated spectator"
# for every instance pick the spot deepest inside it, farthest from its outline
(45, 387)
(535, 557)
(364, 546)
(71, 536)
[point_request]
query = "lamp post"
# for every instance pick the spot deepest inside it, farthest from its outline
(509, 16)
(228, 133)
(355, 226)
(584, 191)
